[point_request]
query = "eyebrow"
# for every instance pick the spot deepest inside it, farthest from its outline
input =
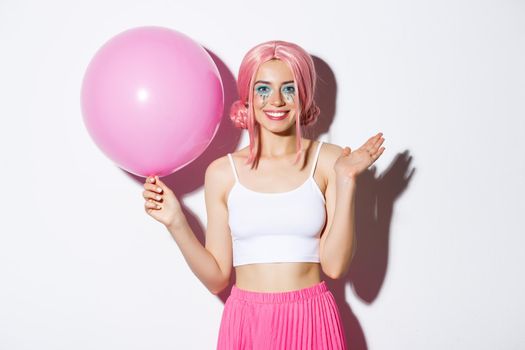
(267, 82)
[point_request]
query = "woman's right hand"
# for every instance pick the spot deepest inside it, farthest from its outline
(161, 203)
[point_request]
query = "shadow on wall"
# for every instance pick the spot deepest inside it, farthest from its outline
(375, 197)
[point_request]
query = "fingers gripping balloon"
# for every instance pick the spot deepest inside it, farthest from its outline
(152, 100)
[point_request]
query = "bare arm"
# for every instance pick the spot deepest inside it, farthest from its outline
(337, 245)
(211, 264)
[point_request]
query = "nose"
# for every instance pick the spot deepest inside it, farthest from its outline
(277, 99)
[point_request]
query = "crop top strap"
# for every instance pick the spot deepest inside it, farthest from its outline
(233, 167)
(315, 159)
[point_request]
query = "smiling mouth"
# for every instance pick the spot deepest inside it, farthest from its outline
(276, 115)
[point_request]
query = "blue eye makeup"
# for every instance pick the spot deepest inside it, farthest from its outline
(289, 93)
(289, 90)
(263, 90)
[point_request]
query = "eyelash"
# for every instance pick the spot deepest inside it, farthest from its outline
(292, 88)
(260, 89)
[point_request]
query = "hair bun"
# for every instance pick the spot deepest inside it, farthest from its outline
(311, 115)
(239, 114)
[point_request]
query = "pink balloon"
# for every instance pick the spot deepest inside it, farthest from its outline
(152, 100)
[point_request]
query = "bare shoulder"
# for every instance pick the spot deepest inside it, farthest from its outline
(331, 150)
(328, 155)
(218, 178)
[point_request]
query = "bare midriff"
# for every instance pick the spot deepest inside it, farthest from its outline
(277, 277)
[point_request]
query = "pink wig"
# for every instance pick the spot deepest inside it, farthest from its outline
(302, 66)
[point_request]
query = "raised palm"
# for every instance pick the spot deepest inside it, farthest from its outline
(351, 164)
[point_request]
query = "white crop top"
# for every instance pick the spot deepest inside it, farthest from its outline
(276, 227)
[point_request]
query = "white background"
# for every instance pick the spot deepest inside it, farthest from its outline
(440, 261)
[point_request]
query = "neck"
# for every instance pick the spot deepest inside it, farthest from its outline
(277, 145)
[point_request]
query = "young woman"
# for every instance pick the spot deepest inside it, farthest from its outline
(279, 211)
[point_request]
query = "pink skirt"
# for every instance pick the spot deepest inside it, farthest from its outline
(302, 319)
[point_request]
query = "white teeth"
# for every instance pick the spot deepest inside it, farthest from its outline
(276, 114)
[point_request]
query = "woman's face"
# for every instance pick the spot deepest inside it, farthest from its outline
(274, 96)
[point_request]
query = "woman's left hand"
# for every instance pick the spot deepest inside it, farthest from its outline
(351, 164)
